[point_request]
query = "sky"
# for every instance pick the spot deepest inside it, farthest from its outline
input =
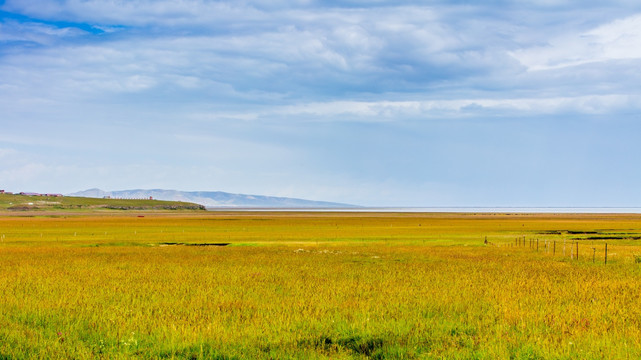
(374, 103)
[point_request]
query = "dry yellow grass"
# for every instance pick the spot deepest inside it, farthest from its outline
(310, 285)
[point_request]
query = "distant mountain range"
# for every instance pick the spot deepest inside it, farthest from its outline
(212, 198)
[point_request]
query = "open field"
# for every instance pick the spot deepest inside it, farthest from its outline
(319, 285)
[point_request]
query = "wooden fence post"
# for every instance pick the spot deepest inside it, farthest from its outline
(606, 253)
(547, 246)
(571, 252)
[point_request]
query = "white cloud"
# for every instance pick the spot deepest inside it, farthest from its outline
(378, 111)
(13, 31)
(282, 69)
(618, 40)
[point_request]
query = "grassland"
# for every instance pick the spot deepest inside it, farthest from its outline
(14, 202)
(319, 286)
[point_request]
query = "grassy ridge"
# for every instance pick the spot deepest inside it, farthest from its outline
(404, 286)
(25, 203)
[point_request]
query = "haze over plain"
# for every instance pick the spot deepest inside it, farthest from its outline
(386, 103)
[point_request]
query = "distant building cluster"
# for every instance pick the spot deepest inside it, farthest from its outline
(30, 194)
(127, 198)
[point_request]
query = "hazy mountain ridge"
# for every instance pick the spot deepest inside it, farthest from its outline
(212, 198)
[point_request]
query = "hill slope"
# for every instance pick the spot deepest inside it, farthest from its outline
(212, 198)
(15, 202)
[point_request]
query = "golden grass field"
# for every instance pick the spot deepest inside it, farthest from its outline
(319, 286)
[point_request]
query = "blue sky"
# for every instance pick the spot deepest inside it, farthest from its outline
(379, 103)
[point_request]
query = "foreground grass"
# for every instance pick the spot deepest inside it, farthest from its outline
(316, 286)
